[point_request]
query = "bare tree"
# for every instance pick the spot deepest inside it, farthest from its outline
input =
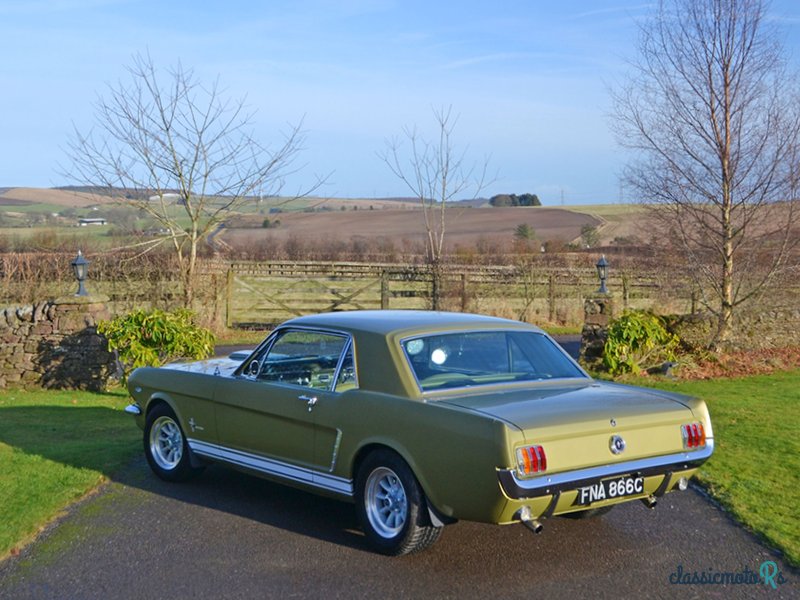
(182, 153)
(436, 174)
(713, 119)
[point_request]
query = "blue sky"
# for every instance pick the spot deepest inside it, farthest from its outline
(527, 78)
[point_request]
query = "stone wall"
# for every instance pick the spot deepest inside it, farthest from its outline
(770, 328)
(55, 344)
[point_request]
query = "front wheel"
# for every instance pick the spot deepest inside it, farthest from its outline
(391, 506)
(165, 446)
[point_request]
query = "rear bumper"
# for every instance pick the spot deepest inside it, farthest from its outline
(547, 485)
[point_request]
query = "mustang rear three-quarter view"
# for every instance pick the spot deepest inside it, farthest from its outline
(420, 419)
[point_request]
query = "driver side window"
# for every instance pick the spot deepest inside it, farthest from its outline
(299, 357)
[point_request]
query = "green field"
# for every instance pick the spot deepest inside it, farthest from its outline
(606, 211)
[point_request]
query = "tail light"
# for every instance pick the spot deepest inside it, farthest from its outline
(531, 460)
(694, 436)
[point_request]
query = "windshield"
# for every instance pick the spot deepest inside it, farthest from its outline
(485, 357)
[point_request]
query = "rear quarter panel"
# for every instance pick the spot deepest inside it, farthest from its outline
(454, 453)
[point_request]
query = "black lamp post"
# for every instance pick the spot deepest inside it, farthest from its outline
(602, 273)
(80, 266)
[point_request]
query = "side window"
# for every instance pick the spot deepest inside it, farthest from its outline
(520, 362)
(347, 379)
(305, 358)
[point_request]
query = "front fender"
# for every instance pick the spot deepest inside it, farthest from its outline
(189, 395)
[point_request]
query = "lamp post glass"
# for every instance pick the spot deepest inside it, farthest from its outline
(602, 273)
(80, 266)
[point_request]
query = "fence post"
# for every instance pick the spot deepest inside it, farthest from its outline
(464, 297)
(384, 289)
(551, 298)
(625, 291)
(229, 298)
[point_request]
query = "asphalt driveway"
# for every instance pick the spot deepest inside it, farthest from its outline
(229, 535)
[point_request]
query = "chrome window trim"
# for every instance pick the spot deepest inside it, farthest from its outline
(350, 345)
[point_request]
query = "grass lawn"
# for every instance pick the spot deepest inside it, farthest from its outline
(755, 469)
(54, 448)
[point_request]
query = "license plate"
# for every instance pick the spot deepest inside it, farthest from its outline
(608, 489)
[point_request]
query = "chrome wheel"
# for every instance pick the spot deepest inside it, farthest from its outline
(385, 502)
(166, 443)
(391, 506)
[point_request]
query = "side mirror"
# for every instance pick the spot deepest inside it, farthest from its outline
(252, 368)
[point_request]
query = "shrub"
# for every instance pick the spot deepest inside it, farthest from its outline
(524, 232)
(589, 236)
(637, 341)
(151, 338)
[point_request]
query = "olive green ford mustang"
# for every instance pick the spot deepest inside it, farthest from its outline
(420, 419)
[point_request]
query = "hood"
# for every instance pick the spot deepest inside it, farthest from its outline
(224, 366)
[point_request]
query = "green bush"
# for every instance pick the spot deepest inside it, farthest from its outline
(637, 341)
(524, 232)
(152, 338)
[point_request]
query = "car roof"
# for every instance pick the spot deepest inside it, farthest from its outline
(385, 322)
(376, 333)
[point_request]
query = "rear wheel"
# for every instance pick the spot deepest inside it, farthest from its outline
(165, 446)
(392, 507)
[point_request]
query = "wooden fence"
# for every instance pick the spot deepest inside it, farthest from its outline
(258, 294)
(547, 290)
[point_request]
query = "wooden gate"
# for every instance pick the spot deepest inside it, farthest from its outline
(259, 294)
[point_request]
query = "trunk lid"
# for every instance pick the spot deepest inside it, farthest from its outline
(574, 421)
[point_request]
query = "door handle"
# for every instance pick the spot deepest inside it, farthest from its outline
(309, 400)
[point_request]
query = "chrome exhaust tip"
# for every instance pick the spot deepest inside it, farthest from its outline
(650, 502)
(534, 525)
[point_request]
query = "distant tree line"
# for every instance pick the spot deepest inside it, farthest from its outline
(514, 200)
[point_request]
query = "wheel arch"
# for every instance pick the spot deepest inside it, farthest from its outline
(437, 518)
(157, 400)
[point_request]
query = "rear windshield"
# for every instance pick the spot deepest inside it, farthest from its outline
(486, 357)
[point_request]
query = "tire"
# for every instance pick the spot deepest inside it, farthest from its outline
(165, 446)
(589, 514)
(391, 506)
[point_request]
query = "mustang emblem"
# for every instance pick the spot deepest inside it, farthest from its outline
(617, 444)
